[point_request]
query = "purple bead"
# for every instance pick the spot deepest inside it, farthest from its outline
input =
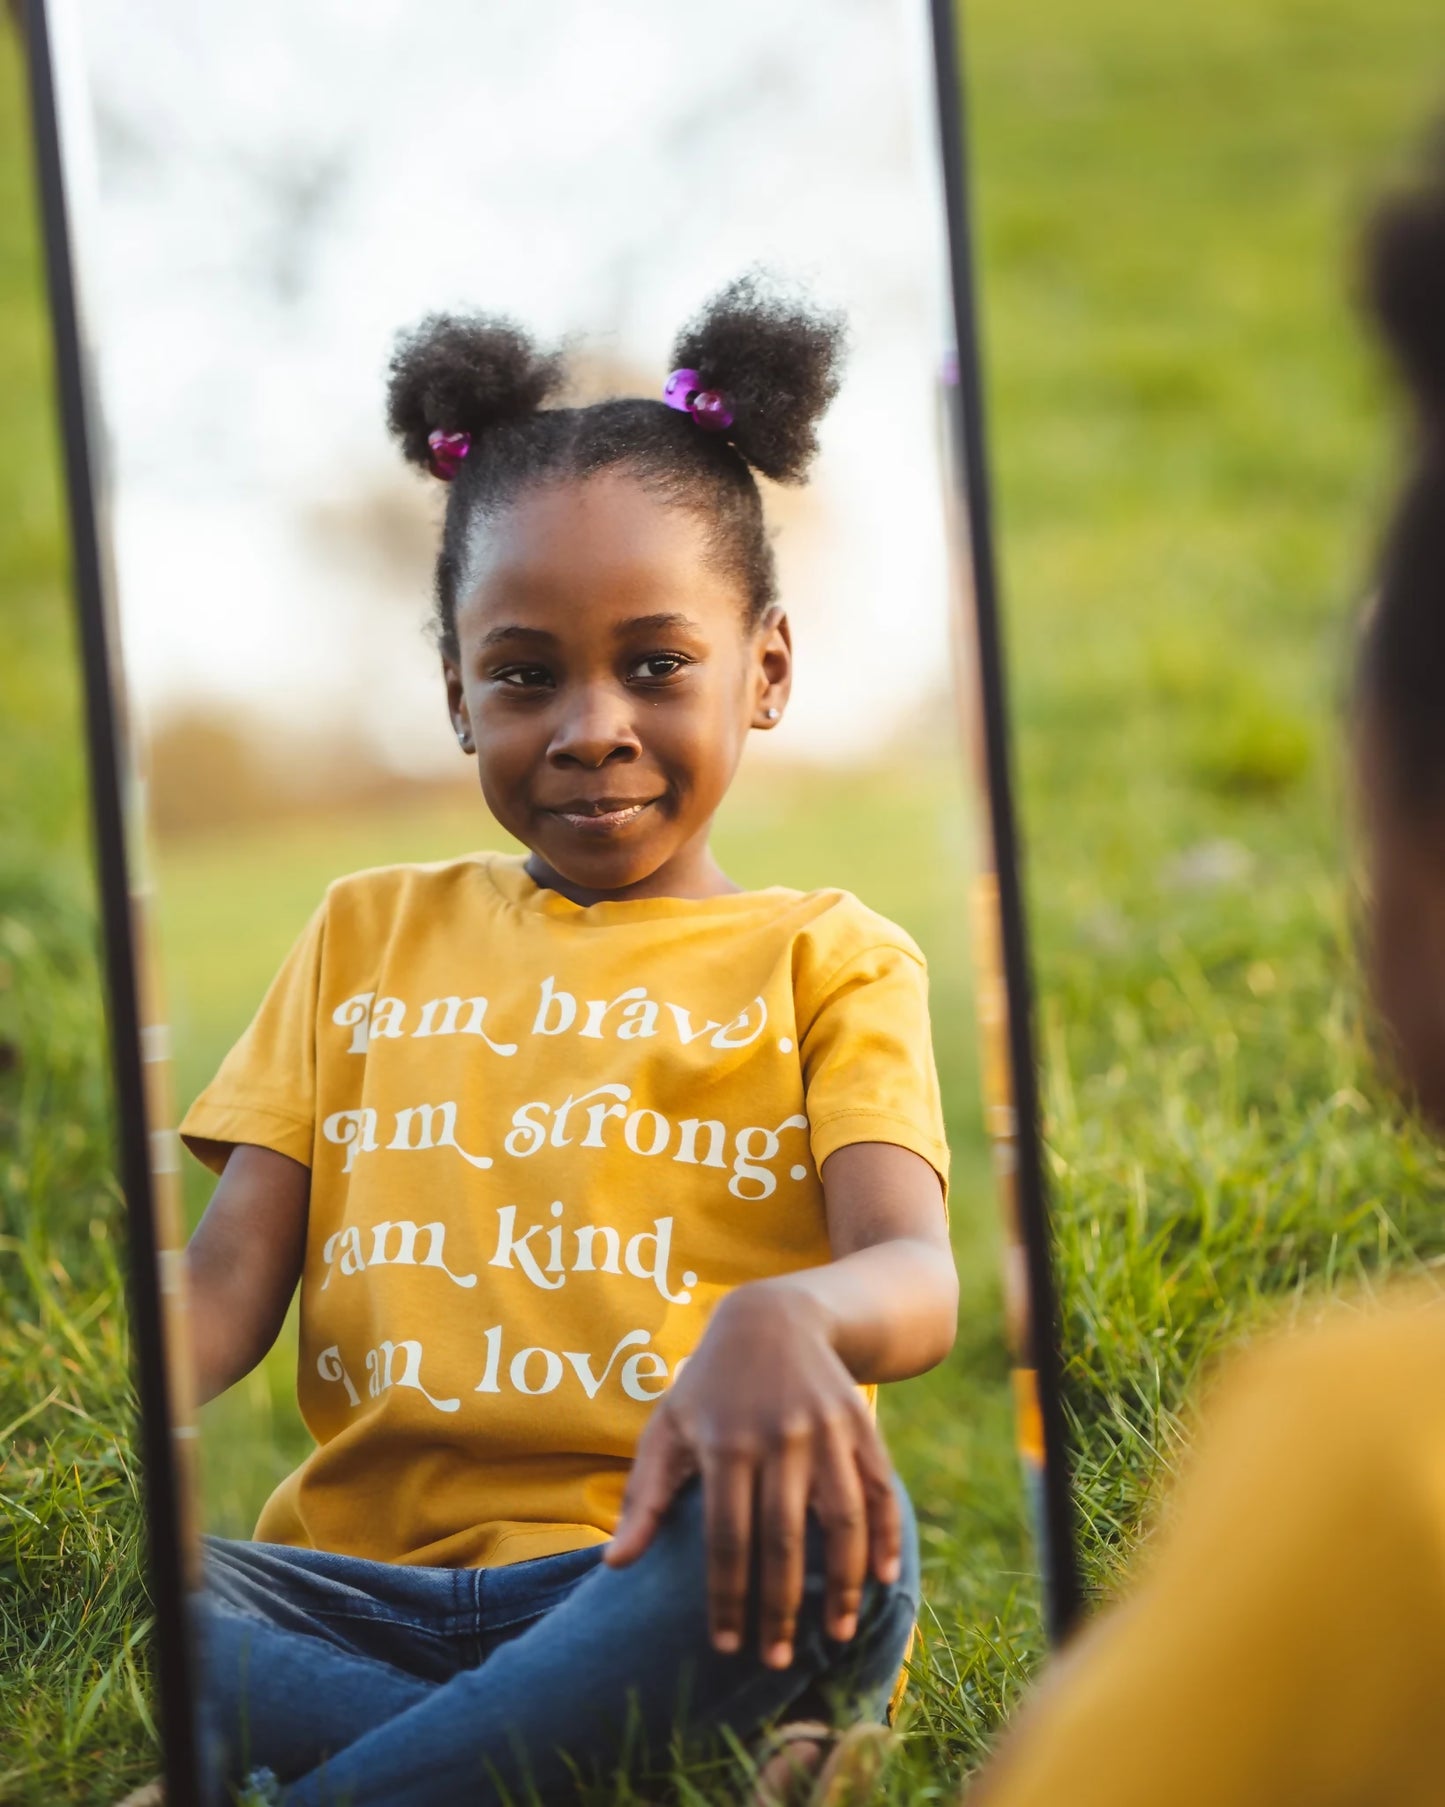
(708, 407)
(710, 410)
(447, 452)
(680, 388)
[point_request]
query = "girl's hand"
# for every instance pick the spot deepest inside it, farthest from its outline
(768, 1414)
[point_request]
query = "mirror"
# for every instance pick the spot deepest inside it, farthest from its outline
(259, 204)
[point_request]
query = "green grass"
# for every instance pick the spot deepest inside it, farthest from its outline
(1191, 448)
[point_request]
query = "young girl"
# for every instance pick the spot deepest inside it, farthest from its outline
(611, 1188)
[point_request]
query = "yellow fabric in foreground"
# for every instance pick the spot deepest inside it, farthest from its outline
(544, 1141)
(1286, 1645)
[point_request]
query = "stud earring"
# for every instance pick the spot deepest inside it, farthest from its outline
(772, 714)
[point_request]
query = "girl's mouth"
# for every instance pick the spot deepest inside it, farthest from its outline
(590, 820)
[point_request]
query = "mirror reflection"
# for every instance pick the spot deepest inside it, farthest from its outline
(567, 1171)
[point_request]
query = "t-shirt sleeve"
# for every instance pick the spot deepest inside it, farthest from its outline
(868, 1068)
(265, 1090)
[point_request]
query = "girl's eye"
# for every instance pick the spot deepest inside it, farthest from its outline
(659, 666)
(525, 677)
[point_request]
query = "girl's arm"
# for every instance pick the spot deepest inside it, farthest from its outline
(889, 1296)
(768, 1410)
(243, 1263)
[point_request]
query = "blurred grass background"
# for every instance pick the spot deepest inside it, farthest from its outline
(1192, 449)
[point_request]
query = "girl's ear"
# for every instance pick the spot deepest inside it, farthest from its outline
(457, 706)
(773, 673)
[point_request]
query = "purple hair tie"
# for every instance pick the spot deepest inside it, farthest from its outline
(447, 452)
(708, 407)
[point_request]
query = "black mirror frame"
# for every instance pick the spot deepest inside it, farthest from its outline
(148, 1168)
(1014, 1120)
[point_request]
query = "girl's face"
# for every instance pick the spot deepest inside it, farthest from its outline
(1406, 923)
(606, 681)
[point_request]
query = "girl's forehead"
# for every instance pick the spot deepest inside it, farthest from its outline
(609, 510)
(591, 549)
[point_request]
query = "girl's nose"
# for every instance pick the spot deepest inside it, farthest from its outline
(595, 731)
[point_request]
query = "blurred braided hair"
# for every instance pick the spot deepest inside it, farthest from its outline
(775, 358)
(1402, 668)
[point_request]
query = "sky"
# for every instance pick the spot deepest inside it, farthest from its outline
(276, 189)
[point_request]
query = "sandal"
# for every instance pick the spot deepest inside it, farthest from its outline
(149, 1794)
(849, 1763)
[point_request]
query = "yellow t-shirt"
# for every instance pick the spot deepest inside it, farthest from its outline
(1285, 1642)
(544, 1140)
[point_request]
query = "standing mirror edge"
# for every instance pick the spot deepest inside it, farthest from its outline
(1005, 990)
(137, 1035)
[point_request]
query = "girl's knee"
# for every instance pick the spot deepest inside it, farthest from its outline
(863, 1671)
(887, 1609)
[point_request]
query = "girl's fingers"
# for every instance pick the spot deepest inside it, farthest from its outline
(782, 1528)
(885, 1521)
(841, 1506)
(657, 1472)
(727, 1484)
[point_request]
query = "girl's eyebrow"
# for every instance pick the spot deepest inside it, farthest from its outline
(652, 624)
(514, 631)
(638, 624)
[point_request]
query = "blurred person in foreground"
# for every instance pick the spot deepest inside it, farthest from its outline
(1287, 1643)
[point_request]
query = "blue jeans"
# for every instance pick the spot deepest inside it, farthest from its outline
(357, 1682)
